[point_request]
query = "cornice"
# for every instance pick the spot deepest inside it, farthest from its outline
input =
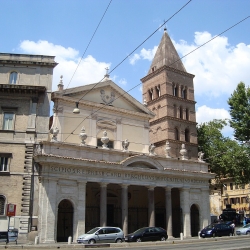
(100, 106)
(170, 96)
(171, 118)
(21, 89)
(16, 62)
(151, 75)
(163, 142)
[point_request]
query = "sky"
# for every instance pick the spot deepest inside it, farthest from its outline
(64, 29)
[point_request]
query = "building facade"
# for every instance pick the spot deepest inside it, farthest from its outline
(25, 93)
(168, 91)
(99, 168)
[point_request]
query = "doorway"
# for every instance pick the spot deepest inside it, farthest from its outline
(195, 220)
(65, 221)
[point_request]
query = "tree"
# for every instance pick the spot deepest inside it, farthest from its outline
(226, 157)
(239, 104)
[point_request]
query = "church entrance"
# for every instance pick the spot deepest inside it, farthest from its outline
(195, 220)
(64, 221)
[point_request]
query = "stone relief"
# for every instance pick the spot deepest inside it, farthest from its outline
(106, 98)
(200, 156)
(83, 136)
(183, 152)
(54, 131)
(105, 140)
(151, 150)
(125, 145)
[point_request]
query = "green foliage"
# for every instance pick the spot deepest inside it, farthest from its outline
(239, 104)
(226, 157)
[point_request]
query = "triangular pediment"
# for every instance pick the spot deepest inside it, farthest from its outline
(166, 55)
(107, 93)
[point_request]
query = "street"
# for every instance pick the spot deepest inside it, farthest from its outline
(220, 243)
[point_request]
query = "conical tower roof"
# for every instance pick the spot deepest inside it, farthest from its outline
(166, 55)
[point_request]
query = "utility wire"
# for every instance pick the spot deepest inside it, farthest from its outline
(89, 43)
(122, 62)
(126, 92)
(137, 48)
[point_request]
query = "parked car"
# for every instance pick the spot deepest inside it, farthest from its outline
(147, 234)
(217, 229)
(102, 235)
(243, 230)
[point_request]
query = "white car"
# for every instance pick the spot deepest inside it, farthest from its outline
(243, 230)
(102, 235)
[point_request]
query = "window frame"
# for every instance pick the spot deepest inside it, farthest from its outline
(9, 110)
(16, 80)
(3, 157)
(4, 205)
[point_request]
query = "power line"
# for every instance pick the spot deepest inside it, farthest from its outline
(137, 47)
(124, 60)
(126, 92)
(89, 42)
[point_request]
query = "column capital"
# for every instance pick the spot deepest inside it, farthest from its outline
(150, 188)
(103, 184)
(124, 185)
(168, 188)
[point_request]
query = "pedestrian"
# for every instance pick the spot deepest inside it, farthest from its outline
(232, 225)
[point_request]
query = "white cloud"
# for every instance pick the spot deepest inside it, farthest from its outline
(122, 81)
(144, 54)
(206, 114)
(89, 70)
(218, 66)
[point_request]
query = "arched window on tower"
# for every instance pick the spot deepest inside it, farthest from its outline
(150, 94)
(187, 137)
(177, 136)
(175, 90)
(185, 93)
(13, 78)
(187, 114)
(181, 112)
(158, 91)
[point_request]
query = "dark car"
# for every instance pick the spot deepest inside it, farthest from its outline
(217, 229)
(147, 234)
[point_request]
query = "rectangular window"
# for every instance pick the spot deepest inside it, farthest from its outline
(225, 201)
(4, 167)
(224, 186)
(243, 199)
(8, 121)
(242, 186)
(231, 186)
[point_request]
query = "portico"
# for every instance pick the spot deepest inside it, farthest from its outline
(132, 193)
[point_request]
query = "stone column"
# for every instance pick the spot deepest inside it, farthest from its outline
(151, 207)
(103, 204)
(124, 206)
(205, 207)
(51, 213)
(184, 201)
(81, 208)
(168, 205)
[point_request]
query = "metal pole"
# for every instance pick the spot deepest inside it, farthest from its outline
(7, 241)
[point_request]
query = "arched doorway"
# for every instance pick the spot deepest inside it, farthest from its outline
(195, 220)
(64, 221)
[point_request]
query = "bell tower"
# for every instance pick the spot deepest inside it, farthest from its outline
(168, 91)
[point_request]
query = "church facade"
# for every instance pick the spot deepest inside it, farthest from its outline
(102, 162)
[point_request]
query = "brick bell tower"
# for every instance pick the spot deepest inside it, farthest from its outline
(168, 91)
